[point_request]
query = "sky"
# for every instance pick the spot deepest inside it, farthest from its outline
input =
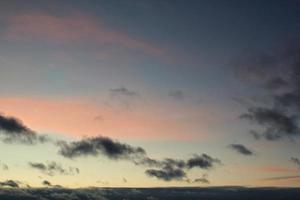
(145, 93)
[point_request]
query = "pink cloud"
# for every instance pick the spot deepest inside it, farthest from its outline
(81, 117)
(76, 28)
(269, 169)
(277, 169)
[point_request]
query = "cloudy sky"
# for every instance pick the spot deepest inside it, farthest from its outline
(142, 93)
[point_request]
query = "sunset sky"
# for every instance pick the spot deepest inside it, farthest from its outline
(149, 93)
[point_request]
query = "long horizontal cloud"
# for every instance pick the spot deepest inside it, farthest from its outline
(99, 145)
(13, 130)
(241, 149)
(282, 178)
(71, 29)
(53, 168)
(167, 173)
(277, 74)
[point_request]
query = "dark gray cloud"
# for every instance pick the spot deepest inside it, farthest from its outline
(167, 162)
(167, 173)
(49, 184)
(13, 130)
(177, 95)
(170, 169)
(296, 161)
(276, 75)
(53, 168)
(203, 161)
(100, 145)
(241, 149)
(276, 123)
(10, 183)
(46, 183)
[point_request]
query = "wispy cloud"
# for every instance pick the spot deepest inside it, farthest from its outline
(53, 168)
(177, 95)
(203, 179)
(123, 97)
(281, 178)
(75, 28)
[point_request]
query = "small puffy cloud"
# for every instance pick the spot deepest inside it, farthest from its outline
(241, 149)
(203, 161)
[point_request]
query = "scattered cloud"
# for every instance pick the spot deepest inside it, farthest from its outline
(276, 74)
(241, 149)
(53, 168)
(276, 123)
